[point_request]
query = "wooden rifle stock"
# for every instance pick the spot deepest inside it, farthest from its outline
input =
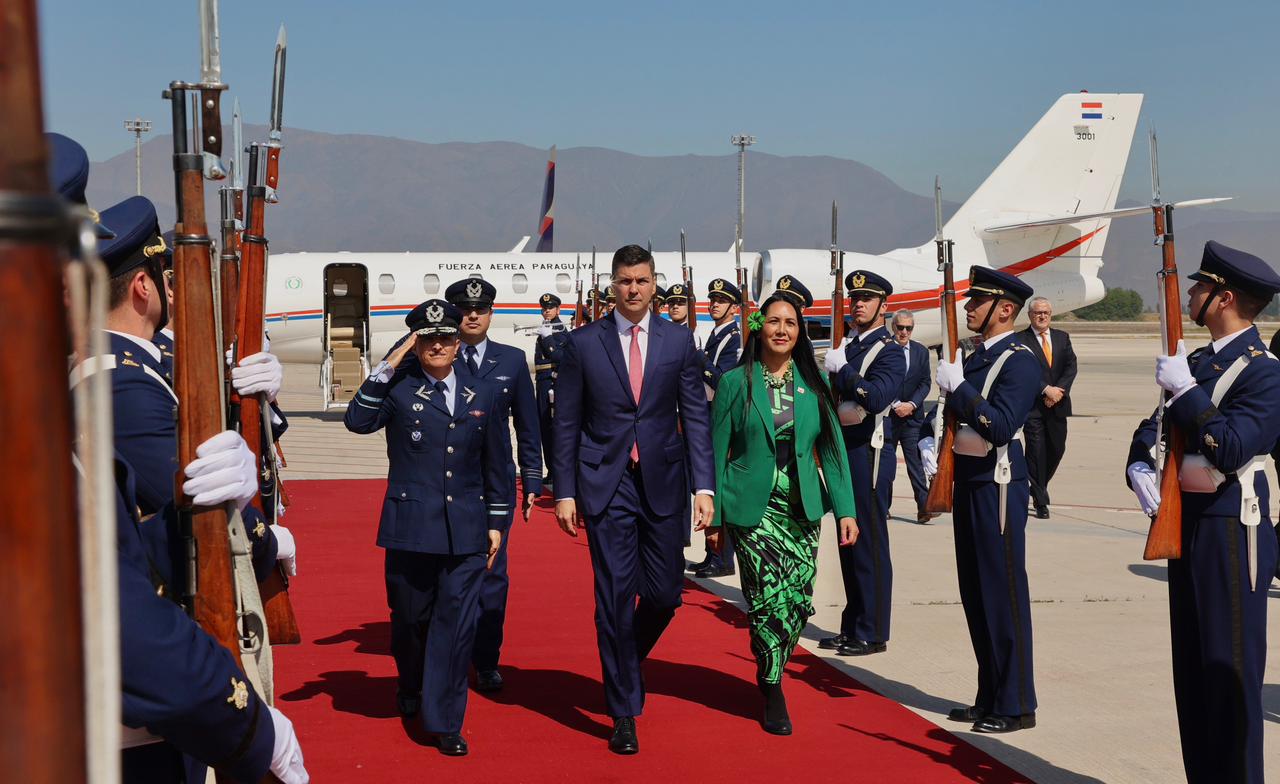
(41, 647)
(1164, 540)
(942, 490)
(282, 623)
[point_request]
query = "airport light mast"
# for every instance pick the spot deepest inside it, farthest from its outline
(742, 141)
(137, 127)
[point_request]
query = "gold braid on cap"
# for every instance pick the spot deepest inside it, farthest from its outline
(155, 250)
(1221, 281)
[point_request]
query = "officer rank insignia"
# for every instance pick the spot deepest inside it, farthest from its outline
(1209, 441)
(469, 394)
(129, 363)
(417, 406)
(416, 436)
(239, 695)
(260, 529)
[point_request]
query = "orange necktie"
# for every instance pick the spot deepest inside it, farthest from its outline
(1048, 352)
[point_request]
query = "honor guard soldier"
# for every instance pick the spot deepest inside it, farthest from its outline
(1225, 405)
(867, 375)
(593, 297)
(678, 308)
(447, 502)
(992, 394)
(69, 176)
(553, 336)
(508, 369)
(610, 300)
(659, 299)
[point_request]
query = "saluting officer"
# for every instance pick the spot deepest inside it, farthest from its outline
(1225, 404)
(445, 512)
(991, 394)
(508, 369)
(553, 336)
(867, 374)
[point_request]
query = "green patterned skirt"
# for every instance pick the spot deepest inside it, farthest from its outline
(777, 561)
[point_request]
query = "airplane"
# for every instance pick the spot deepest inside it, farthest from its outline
(1043, 214)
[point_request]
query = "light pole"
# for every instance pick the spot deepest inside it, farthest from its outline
(742, 141)
(137, 127)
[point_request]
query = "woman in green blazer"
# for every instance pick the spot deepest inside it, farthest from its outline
(780, 466)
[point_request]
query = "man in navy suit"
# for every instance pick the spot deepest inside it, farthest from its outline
(508, 369)
(905, 416)
(1046, 428)
(631, 411)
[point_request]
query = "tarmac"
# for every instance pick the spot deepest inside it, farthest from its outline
(1100, 613)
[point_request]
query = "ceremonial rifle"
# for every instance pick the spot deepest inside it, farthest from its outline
(686, 274)
(942, 489)
(41, 651)
(579, 317)
(1164, 539)
(231, 208)
(254, 412)
(744, 311)
(837, 291)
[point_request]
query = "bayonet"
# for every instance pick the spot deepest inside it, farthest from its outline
(1152, 145)
(276, 118)
(237, 142)
(937, 207)
(211, 88)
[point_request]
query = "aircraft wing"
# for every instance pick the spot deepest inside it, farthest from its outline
(1060, 220)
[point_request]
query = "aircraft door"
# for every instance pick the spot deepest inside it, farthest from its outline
(346, 332)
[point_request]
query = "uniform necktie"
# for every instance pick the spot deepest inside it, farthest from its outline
(635, 369)
(1048, 351)
(469, 354)
(443, 389)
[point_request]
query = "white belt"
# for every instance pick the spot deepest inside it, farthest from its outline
(970, 443)
(1198, 475)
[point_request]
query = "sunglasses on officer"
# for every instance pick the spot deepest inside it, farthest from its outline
(906, 327)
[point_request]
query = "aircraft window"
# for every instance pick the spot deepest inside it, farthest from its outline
(387, 283)
(520, 282)
(431, 283)
(475, 275)
(564, 284)
(339, 288)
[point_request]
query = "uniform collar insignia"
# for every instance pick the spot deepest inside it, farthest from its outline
(469, 394)
(239, 695)
(424, 392)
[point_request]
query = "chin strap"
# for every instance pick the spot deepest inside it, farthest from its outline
(1213, 294)
(995, 300)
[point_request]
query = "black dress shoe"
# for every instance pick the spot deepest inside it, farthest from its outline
(970, 714)
(623, 740)
(408, 704)
(861, 648)
(1042, 513)
(488, 681)
(714, 571)
(994, 724)
(698, 566)
(832, 643)
(452, 745)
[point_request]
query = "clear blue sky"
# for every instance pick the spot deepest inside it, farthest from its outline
(911, 89)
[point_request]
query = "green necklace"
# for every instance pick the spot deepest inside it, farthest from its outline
(778, 382)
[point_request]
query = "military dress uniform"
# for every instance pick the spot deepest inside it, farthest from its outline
(553, 336)
(1229, 420)
(508, 369)
(868, 382)
(446, 489)
(1001, 383)
(724, 347)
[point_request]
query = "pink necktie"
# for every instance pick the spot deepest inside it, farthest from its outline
(636, 371)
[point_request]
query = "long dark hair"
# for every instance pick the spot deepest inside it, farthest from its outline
(804, 362)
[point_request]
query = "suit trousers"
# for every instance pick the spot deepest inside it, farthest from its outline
(993, 589)
(435, 603)
(546, 425)
(866, 567)
(1046, 441)
(494, 587)
(1219, 633)
(635, 553)
(904, 433)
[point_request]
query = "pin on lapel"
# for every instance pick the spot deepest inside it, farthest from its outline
(469, 394)
(417, 406)
(423, 392)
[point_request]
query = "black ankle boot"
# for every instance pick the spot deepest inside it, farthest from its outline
(776, 721)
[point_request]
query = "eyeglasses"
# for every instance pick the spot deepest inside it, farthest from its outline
(910, 328)
(1042, 313)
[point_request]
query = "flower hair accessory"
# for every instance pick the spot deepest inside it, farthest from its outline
(755, 322)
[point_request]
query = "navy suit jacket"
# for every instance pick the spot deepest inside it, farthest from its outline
(447, 483)
(1062, 374)
(917, 381)
(508, 369)
(598, 419)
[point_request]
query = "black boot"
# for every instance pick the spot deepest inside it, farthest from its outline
(776, 721)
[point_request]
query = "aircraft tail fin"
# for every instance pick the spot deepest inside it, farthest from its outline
(547, 223)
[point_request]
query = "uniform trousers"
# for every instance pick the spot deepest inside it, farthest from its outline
(494, 587)
(866, 568)
(1046, 442)
(993, 589)
(546, 425)
(435, 603)
(904, 433)
(635, 553)
(1219, 633)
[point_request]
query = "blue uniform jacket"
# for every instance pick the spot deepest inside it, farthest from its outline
(448, 480)
(598, 419)
(548, 350)
(998, 417)
(877, 389)
(507, 368)
(1246, 423)
(176, 680)
(731, 340)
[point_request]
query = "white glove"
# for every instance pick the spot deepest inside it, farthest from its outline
(835, 357)
(1142, 478)
(224, 470)
(286, 756)
(260, 372)
(950, 375)
(1173, 373)
(286, 549)
(929, 455)
(544, 330)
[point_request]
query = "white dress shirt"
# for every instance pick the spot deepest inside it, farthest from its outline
(624, 335)
(480, 349)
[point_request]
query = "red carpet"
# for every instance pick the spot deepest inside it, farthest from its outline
(701, 717)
